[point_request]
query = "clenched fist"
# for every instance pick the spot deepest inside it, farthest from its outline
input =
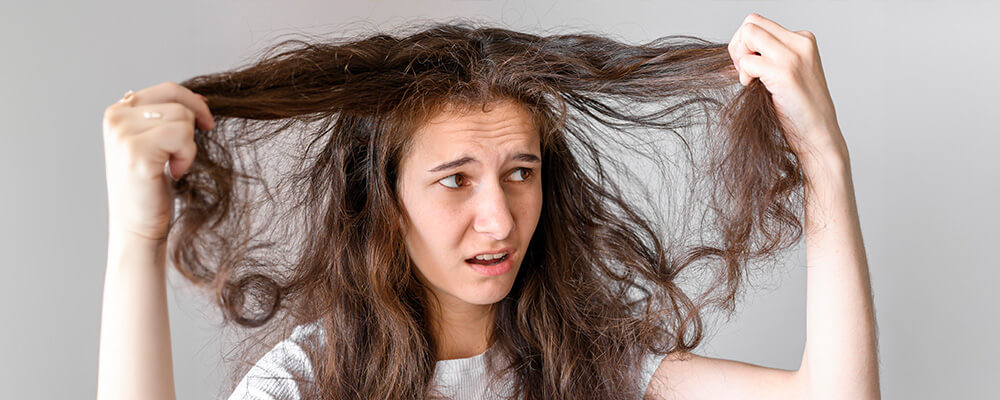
(142, 132)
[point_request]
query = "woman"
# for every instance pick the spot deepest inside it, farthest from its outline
(452, 222)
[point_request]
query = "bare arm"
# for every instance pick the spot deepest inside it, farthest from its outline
(840, 357)
(135, 354)
(142, 131)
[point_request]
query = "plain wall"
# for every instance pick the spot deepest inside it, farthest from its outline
(912, 82)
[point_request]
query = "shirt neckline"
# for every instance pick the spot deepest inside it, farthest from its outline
(476, 363)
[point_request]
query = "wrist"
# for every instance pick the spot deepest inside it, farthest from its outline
(132, 239)
(828, 160)
(826, 166)
(126, 248)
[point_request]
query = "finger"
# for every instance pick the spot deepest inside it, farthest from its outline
(809, 39)
(171, 92)
(143, 118)
(182, 160)
(755, 39)
(150, 151)
(806, 34)
(736, 51)
(166, 139)
(774, 28)
(755, 67)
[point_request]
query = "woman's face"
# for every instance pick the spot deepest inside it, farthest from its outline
(470, 185)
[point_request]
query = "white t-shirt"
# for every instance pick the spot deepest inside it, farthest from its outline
(271, 378)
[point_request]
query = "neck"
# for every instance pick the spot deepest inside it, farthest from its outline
(460, 329)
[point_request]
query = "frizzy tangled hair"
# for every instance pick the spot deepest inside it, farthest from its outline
(599, 285)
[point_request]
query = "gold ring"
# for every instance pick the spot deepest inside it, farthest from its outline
(128, 97)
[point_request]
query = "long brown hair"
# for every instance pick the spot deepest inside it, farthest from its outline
(290, 211)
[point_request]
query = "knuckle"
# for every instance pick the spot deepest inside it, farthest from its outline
(181, 110)
(113, 116)
(119, 132)
(175, 90)
(807, 41)
(180, 89)
(751, 29)
(166, 85)
(171, 87)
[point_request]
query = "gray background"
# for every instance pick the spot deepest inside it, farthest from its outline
(912, 82)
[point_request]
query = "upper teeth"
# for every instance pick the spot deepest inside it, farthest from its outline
(490, 256)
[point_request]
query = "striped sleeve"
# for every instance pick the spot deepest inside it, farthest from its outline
(281, 374)
(649, 366)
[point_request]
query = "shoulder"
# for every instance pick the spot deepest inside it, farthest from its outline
(284, 370)
(650, 364)
(685, 375)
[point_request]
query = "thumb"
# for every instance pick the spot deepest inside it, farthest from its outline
(181, 161)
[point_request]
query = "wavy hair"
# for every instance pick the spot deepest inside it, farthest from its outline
(290, 211)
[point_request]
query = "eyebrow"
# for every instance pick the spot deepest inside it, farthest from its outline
(466, 159)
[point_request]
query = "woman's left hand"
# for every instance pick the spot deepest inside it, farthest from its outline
(788, 64)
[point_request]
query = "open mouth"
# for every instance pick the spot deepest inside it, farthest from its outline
(494, 261)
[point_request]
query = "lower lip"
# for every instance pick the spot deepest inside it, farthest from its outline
(493, 270)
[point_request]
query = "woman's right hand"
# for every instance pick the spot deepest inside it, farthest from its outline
(136, 149)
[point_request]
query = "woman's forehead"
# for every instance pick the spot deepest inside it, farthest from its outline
(505, 126)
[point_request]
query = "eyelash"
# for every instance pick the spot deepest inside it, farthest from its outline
(530, 172)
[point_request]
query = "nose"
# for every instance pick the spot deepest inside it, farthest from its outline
(493, 215)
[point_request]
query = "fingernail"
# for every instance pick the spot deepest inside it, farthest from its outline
(167, 170)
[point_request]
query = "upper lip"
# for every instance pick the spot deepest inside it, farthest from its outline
(509, 250)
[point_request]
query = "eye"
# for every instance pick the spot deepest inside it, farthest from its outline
(525, 173)
(451, 178)
(455, 181)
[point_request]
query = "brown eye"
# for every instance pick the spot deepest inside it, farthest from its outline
(452, 178)
(526, 172)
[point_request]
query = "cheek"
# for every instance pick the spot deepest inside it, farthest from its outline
(528, 210)
(436, 230)
(437, 217)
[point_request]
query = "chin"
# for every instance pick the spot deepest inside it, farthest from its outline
(483, 300)
(488, 291)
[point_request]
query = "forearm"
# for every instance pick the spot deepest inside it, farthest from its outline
(134, 360)
(840, 357)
